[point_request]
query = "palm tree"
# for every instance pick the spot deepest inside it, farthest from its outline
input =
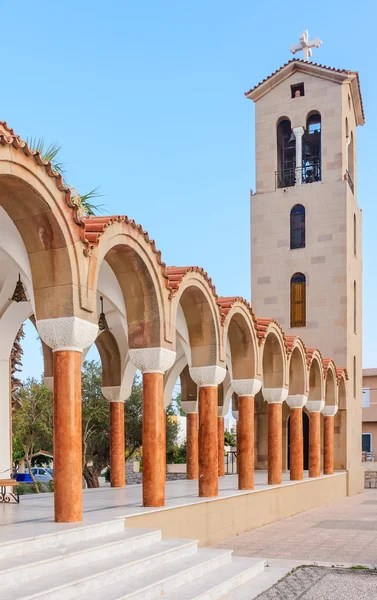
(49, 154)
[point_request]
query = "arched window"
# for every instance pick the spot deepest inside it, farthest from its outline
(351, 162)
(311, 149)
(354, 236)
(354, 308)
(286, 163)
(297, 227)
(298, 300)
(354, 376)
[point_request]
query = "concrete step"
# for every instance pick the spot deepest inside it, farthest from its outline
(170, 579)
(98, 576)
(217, 584)
(26, 567)
(256, 586)
(69, 535)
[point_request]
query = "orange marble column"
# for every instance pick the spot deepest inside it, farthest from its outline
(328, 445)
(67, 437)
(154, 440)
(275, 443)
(314, 444)
(220, 446)
(208, 446)
(117, 445)
(192, 445)
(296, 445)
(245, 437)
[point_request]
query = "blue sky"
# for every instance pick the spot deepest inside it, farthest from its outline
(146, 99)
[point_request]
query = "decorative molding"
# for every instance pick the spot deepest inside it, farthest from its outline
(330, 411)
(274, 395)
(296, 400)
(49, 383)
(190, 406)
(207, 376)
(112, 393)
(152, 360)
(67, 333)
(246, 387)
(315, 405)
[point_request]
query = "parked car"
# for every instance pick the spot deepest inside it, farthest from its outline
(41, 474)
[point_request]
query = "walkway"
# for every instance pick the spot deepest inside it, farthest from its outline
(338, 533)
(105, 504)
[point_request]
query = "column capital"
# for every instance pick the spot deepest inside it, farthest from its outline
(190, 406)
(330, 411)
(298, 131)
(207, 376)
(49, 383)
(274, 395)
(296, 400)
(246, 387)
(67, 333)
(112, 393)
(315, 406)
(235, 414)
(152, 360)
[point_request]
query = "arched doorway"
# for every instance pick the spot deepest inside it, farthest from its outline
(305, 429)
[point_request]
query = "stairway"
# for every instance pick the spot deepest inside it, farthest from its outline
(108, 562)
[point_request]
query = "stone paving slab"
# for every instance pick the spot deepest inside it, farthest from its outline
(321, 583)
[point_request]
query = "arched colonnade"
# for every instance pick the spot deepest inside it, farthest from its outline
(168, 322)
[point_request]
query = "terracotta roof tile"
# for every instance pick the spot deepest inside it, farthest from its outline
(176, 274)
(262, 325)
(340, 371)
(225, 304)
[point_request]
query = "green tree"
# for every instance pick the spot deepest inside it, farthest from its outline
(95, 424)
(32, 422)
(229, 439)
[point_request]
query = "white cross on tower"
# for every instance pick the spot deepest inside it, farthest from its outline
(305, 45)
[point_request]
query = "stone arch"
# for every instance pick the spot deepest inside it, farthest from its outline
(273, 355)
(40, 207)
(298, 373)
(140, 273)
(191, 288)
(331, 388)
(316, 376)
(110, 359)
(239, 330)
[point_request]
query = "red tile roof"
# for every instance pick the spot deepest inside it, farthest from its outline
(225, 304)
(176, 274)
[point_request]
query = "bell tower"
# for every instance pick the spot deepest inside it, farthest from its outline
(305, 221)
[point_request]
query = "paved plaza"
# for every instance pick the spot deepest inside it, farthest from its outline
(344, 532)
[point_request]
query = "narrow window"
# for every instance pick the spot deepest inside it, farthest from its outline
(297, 227)
(354, 376)
(298, 300)
(354, 236)
(311, 150)
(351, 163)
(297, 90)
(286, 145)
(354, 307)
(349, 101)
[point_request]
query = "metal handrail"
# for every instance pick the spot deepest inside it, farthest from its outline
(308, 173)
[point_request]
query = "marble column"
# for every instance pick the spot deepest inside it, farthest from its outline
(299, 132)
(192, 445)
(329, 413)
(220, 446)
(153, 362)
(68, 337)
(296, 403)
(207, 379)
(117, 441)
(314, 407)
(275, 398)
(245, 390)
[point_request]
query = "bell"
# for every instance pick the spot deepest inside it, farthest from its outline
(19, 294)
(102, 322)
(292, 138)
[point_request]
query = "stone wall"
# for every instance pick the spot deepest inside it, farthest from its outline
(370, 479)
(133, 476)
